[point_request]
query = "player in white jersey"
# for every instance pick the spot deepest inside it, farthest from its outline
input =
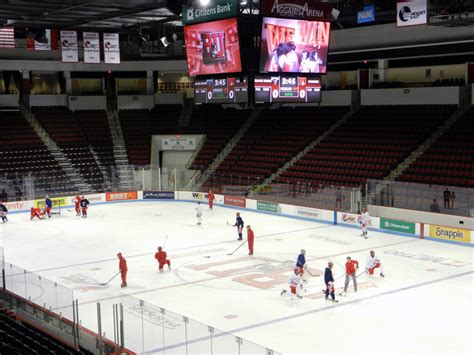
(364, 220)
(373, 263)
(295, 285)
(199, 214)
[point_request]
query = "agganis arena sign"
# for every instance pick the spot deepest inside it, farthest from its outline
(301, 9)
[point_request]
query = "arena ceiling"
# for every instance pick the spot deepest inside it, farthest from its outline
(87, 14)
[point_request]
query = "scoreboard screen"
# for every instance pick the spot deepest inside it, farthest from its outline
(221, 90)
(284, 88)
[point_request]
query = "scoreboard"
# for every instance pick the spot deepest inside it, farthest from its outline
(290, 89)
(221, 90)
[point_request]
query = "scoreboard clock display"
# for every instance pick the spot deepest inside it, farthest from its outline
(291, 89)
(221, 90)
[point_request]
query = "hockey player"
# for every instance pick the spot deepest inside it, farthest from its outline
(160, 256)
(211, 198)
(364, 220)
(373, 263)
(3, 212)
(199, 214)
(351, 267)
(250, 239)
(123, 269)
(300, 262)
(84, 205)
(48, 205)
(239, 223)
(329, 281)
(36, 212)
(77, 204)
(295, 285)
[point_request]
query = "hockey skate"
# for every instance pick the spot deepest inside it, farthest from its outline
(282, 292)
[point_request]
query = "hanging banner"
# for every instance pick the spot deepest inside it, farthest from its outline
(366, 15)
(412, 12)
(111, 48)
(69, 50)
(91, 47)
(43, 41)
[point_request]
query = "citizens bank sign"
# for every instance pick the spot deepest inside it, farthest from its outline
(303, 9)
(216, 10)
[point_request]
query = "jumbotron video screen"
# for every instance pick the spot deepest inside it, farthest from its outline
(213, 48)
(294, 46)
(290, 89)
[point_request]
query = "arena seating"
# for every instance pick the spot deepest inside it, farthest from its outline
(139, 125)
(219, 125)
(450, 160)
(370, 144)
(17, 337)
(76, 134)
(273, 139)
(23, 152)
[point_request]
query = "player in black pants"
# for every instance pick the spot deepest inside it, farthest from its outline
(239, 223)
(329, 281)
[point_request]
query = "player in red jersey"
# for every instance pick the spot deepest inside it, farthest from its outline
(77, 204)
(161, 256)
(123, 269)
(250, 239)
(36, 212)
(351, 267)
(211, 198)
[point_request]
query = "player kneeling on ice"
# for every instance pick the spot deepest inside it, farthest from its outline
(36, 212)
(373, 263)
(3, 212)
(329, 281)
(160, 256)
(199, 214)
(84, 205)
(295, 285)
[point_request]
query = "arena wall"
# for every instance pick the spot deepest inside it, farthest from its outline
(126, 102)
(87, 103)
(412, 96)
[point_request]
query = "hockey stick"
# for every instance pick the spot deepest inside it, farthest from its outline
(113, 277)
(245, 241)
(166, 241)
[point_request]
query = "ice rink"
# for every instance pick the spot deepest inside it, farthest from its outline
(424, 304)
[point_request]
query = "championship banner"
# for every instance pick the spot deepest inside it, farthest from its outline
(298, 9)
(178, 144)
(412, 12)
(69, 49)
(91, 44)
(448, 233)
(218, 9)
(111, 48)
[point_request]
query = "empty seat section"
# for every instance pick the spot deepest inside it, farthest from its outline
(370, 144)
(449, 160)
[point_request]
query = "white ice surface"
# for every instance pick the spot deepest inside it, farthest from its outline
(423, 305)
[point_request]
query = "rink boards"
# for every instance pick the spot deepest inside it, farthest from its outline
(442, 233)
